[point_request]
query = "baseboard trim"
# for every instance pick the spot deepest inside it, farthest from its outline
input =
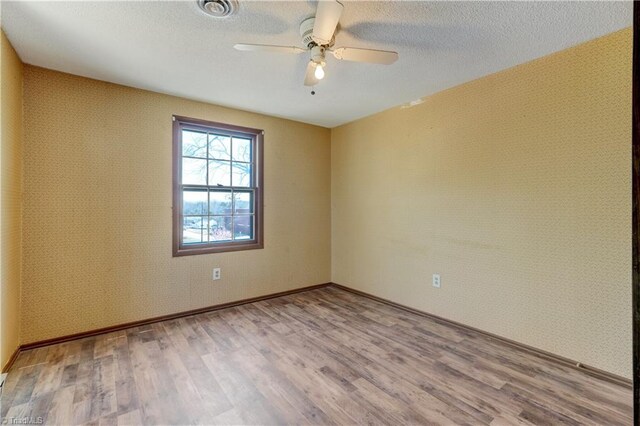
(605, 375)
(124, 326)
(595, 372)
(12, 359)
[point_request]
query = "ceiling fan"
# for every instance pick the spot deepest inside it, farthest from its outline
(318, 35)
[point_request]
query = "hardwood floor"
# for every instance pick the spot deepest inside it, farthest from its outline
(324, 356)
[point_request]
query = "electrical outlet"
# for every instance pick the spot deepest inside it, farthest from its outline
(436, 280)
(216, 273)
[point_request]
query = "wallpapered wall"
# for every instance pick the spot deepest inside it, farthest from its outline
(10, 198)
(97, 208)
(516, 188)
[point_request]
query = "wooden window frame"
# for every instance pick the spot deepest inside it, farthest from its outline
(257, 137)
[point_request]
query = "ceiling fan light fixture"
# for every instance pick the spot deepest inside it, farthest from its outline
(218, 8)
(318, 36)
(319, 72)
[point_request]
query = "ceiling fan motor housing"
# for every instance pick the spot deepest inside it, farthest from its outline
(306, 32)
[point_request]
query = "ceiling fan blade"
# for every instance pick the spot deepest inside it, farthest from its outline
(269, 48)
(327, 17)
(365, 55)
(309, 76)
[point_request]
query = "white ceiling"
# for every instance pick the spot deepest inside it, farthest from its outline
(172, 47)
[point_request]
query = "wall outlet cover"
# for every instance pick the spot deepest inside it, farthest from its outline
(436, 280)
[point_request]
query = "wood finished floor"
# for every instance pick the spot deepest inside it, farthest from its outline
(325, 356)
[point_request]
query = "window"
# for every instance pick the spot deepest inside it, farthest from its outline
(217, 187)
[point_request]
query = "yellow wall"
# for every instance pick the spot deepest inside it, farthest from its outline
(10, 197)
(516, 188)
(97, 208)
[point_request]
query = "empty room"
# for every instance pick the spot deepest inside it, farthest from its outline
(242, 212)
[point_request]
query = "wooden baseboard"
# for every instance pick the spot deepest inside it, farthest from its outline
(138, 323)
(596, 372)
(12, 359)
(521, 346)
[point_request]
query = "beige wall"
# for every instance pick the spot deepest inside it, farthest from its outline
(10, 197)
(97, 208)
(516, 188)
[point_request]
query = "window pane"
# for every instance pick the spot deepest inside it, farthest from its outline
(242, 202)
(220, 147)
(194, 230)
(194, 202)
(194, 172)
(242, 174)
(194, 144)
(220, 202)
(219, 173)
(241, 149)
(243, 227)
(220, 228)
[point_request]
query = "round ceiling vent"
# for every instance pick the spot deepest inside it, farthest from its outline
(218, 8)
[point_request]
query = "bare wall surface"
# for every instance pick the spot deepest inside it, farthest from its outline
(10, 198)
(516, 189)
(97, 208)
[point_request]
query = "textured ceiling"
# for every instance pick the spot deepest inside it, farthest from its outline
(172, 47)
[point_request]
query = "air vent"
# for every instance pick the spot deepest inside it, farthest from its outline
(218, 8)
